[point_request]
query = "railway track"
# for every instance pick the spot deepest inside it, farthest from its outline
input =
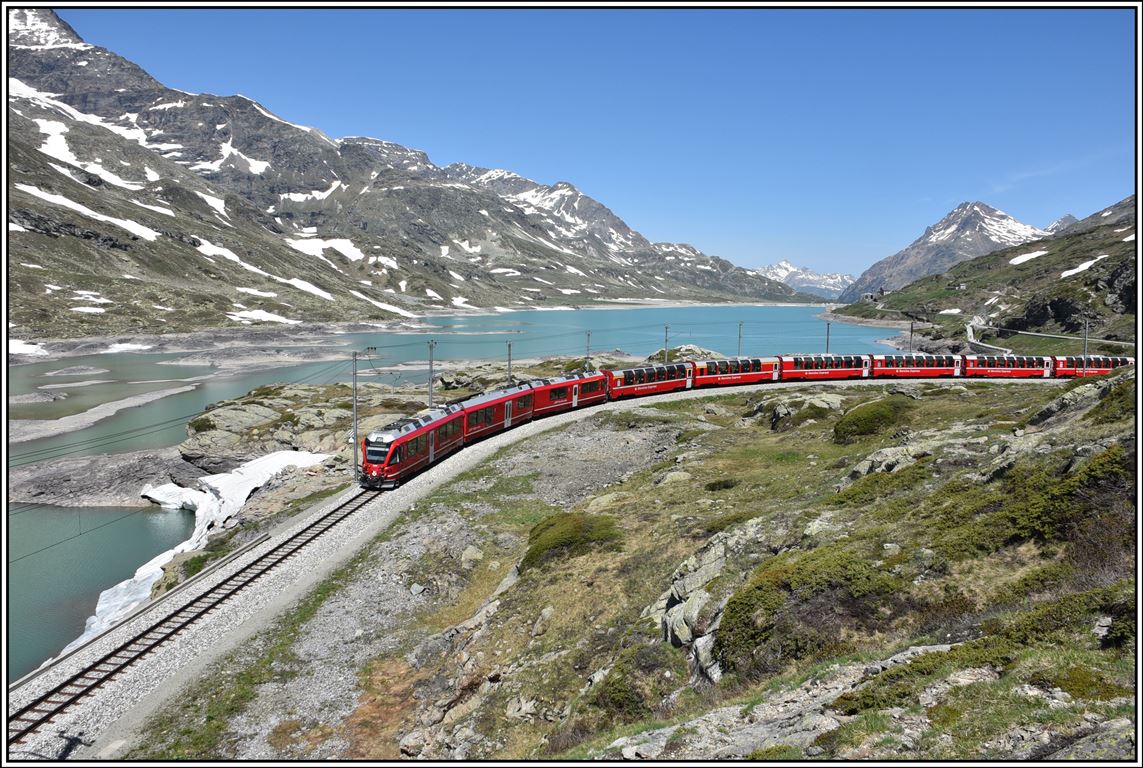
(47, 706)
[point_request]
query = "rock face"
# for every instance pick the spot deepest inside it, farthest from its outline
(194, 196)
(968, 231)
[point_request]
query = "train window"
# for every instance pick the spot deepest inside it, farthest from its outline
(397, 453)
(628, 378)
(639, 377)
(660, 374)
(732, 366)
(525, 401)
(561, 393)
(756, 366)
(797, 363)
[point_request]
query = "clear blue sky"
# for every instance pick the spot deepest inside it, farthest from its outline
(831, 138)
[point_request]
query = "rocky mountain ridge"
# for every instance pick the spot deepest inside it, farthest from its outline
(116, 181)
(828, 285)
(971, 229)
(1087, 272)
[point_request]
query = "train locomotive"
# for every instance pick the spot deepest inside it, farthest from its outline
(405, 447)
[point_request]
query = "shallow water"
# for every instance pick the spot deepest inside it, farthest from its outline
(51, 594)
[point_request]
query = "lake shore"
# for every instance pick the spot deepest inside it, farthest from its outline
(22, 430)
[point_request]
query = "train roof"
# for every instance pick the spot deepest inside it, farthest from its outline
(404, 426)
(567, 378)
(495, 394)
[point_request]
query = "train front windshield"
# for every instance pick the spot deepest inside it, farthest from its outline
(375, 454)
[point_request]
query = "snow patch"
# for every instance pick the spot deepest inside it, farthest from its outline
(216, 203)
(1026, 257)
(301, 197)
(381, 305)
(17, 347)
(949, 312)
(256, 292)
(260, 314)
(1082, 267)
(220, 498)
(131, 226)
(89, 310)
(125, 347)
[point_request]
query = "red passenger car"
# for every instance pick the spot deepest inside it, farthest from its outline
(916, 366)
(1094, 365)
(736, 370)
(817, 367)
(650, 379)
(401, 449)
(491, 412)
(567, 392)
(1008, 366)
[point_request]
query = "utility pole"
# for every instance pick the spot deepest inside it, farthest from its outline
(827, 337)
(666, 342)
(1085, 346)
(356, 478)
(509, 363)
(432, 346)
(740, 338)
(587, 354)
(356, 441)
(910, 337)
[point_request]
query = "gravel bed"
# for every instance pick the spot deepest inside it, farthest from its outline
(108, 718)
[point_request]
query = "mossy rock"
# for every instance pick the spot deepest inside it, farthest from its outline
(870, 419)
(568, 534)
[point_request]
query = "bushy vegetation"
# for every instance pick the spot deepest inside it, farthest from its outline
(201, 424)
(870, 418)
(1118, 403)
(568, 534)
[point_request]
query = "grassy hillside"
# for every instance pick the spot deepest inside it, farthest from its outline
(760, 533)
(1032, 294)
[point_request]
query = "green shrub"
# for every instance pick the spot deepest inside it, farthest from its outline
(784, 752)
(1117, 404)
(795, 604)
(568, 534)
(1081, 683)
(201, 424)
(870, 418)
(721, 485)
(636, 683)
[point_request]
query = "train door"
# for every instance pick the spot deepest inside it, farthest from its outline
(957, 361)
(690, 376)
(1047, 367)
(432, 445)
(507, 414)
(865, 367)
(575, 395)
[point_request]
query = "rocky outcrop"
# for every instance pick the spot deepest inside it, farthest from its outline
(784, 412)
(792, 718)
(1083, 396)
(687, 614)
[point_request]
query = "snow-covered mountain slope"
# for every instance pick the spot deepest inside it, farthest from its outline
(195, 196)
(828, 285)
(1060, 224)
(969, 230)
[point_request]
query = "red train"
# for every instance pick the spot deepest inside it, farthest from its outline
(401, 449)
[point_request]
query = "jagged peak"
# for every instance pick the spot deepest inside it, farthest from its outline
(41, 28)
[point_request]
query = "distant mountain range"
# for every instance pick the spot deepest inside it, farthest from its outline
(969, 230)
(133, 206)
(828, 285)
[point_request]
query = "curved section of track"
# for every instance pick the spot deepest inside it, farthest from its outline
(41, 710)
